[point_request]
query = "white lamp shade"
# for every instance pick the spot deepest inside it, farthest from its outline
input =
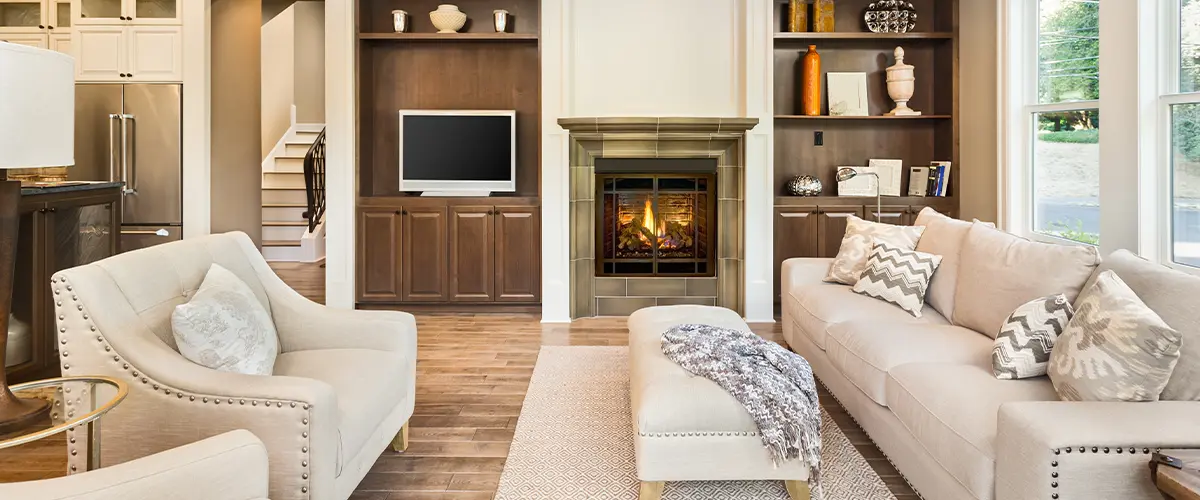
(37, 107)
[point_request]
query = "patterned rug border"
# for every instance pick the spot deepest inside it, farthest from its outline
(574, 440)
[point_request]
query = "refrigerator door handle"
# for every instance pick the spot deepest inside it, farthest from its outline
(112, 152)
(128, 174)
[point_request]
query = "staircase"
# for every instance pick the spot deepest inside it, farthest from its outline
(285, 230)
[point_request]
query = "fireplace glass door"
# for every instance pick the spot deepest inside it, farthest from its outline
(655, 225)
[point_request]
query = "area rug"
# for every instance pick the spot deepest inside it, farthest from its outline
(574, 440)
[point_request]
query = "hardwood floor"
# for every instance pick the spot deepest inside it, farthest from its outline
(472, 373)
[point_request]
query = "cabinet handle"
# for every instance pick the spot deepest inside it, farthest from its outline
(397, 212)
(41, 26)
(404, 212)
(837, 215)
(130, 75)
(490, 212)
(51, 27)
(799, 215)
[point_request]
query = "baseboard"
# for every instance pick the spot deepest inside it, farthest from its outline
(464, 308)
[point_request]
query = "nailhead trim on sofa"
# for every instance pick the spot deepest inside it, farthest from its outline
(1082, 450)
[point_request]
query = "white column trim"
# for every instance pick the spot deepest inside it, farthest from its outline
(555, 178)
(197, 118)
(756, 41)
(340, 158)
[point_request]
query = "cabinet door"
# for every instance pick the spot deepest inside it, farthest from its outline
(61, 42)
(795, 236)
(99, 12)
(472, 260)
(32, 40)
(425, 251)
(59, 16)
(154, 54)
(518, 254)
(891, 214)
(100, 53)
(831, 227)
(160, 12)
(380, 253)
(23, 16)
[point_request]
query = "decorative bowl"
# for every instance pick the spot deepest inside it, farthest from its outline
(804, 185)
(447, 18)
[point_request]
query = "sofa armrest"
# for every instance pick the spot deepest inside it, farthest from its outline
(230, 466)
(1077, 450)
(803, 271)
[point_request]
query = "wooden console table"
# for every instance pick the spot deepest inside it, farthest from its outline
(1178, 484)
(61, 227)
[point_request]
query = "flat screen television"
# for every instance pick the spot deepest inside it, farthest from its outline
(458, 152)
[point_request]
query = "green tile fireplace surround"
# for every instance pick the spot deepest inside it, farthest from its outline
(649, 137)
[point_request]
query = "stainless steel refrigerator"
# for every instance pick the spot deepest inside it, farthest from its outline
(132, 133)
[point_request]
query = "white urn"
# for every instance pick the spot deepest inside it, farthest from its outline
(900, 85)
(447, 18)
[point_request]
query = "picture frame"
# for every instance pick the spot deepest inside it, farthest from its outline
(847, 93)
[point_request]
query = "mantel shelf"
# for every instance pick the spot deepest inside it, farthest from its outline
(871, 117)
(849, 35)
(451, 37)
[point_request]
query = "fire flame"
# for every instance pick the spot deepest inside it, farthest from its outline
(648, 221)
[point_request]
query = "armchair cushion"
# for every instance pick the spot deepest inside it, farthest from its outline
(224, 328)
(368, 385)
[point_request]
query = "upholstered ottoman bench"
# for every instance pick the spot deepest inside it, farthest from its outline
(687, 428)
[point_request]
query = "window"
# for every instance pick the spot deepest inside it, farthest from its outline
(1182, 103)
(1065, 121)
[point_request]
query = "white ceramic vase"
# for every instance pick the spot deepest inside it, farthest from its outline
(447, 18)
(900, 85)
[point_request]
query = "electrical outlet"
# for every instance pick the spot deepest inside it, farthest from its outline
(818, 138)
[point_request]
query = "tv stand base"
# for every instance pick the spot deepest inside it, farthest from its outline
(457, 194)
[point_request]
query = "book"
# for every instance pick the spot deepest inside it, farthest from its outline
(931, 183)
(943, 178)
(918, 181)
(889, 172)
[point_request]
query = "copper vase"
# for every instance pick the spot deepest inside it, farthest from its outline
(810, 83)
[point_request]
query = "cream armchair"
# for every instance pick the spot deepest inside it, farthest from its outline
(231, 466)
(342, 389)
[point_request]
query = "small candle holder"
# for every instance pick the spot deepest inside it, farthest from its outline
(501, 19)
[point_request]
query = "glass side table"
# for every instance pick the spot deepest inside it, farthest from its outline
(74, 402)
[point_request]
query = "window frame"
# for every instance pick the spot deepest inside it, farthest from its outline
(1169, 48)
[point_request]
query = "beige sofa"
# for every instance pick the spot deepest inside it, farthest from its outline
(343, 383)
(230, 466)
(923, 390)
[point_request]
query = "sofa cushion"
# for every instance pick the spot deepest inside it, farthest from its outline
(898, 276)
(943, 236)
(999, 272)
(224, 328)
(860, 237)
(951, 410)
(1172, 295)
(816, 307)
(864, 351)
(361, 406)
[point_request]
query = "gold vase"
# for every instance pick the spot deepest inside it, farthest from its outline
(797, 16)
(822, 16)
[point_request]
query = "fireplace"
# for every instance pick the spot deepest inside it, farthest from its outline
(656, 217)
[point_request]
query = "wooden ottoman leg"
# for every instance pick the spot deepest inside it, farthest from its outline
(400, 442)
(797, 490)
(651, 490)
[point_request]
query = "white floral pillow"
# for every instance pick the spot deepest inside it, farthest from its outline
(225, 327)
(860, 238)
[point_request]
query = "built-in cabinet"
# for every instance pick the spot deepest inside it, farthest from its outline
(129, 53)
(45, 24)
(130, 12)
(814, 230)
(449, 252)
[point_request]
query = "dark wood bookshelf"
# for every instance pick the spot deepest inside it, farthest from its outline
(869, 117)
(852, 35)
(451, 37)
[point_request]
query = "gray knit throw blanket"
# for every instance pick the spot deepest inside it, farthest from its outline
(774, 384)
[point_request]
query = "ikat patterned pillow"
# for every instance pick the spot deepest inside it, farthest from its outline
(858, 242)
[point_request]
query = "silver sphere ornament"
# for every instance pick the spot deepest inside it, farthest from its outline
(803, 185)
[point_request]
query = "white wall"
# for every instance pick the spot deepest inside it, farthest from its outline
(978, 110)
(278, 77)
(310, 62)
(663, 58)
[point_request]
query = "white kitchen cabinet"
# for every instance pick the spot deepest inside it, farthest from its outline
(154, 54)
(127, 12)
(61, 42)
(100, 53)
(23, 16)
(38, 41)
(129, 53)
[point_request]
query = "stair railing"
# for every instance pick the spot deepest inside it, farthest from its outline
(314, 181)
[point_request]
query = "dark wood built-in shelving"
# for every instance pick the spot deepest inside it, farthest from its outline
(915, 35)
(448, 37)
(869, 117)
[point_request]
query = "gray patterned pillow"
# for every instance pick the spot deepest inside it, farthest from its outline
(860, 237)
(1114, 349)
(225, 327)
(1022, 348)
(897, 275)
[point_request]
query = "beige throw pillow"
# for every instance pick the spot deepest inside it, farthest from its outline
(943, 236)
(998, 272)
(860, 238)
(1114, 349)
(225, 327)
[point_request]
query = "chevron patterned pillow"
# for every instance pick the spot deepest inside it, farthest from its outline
(1022, 348)
(897, 275)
